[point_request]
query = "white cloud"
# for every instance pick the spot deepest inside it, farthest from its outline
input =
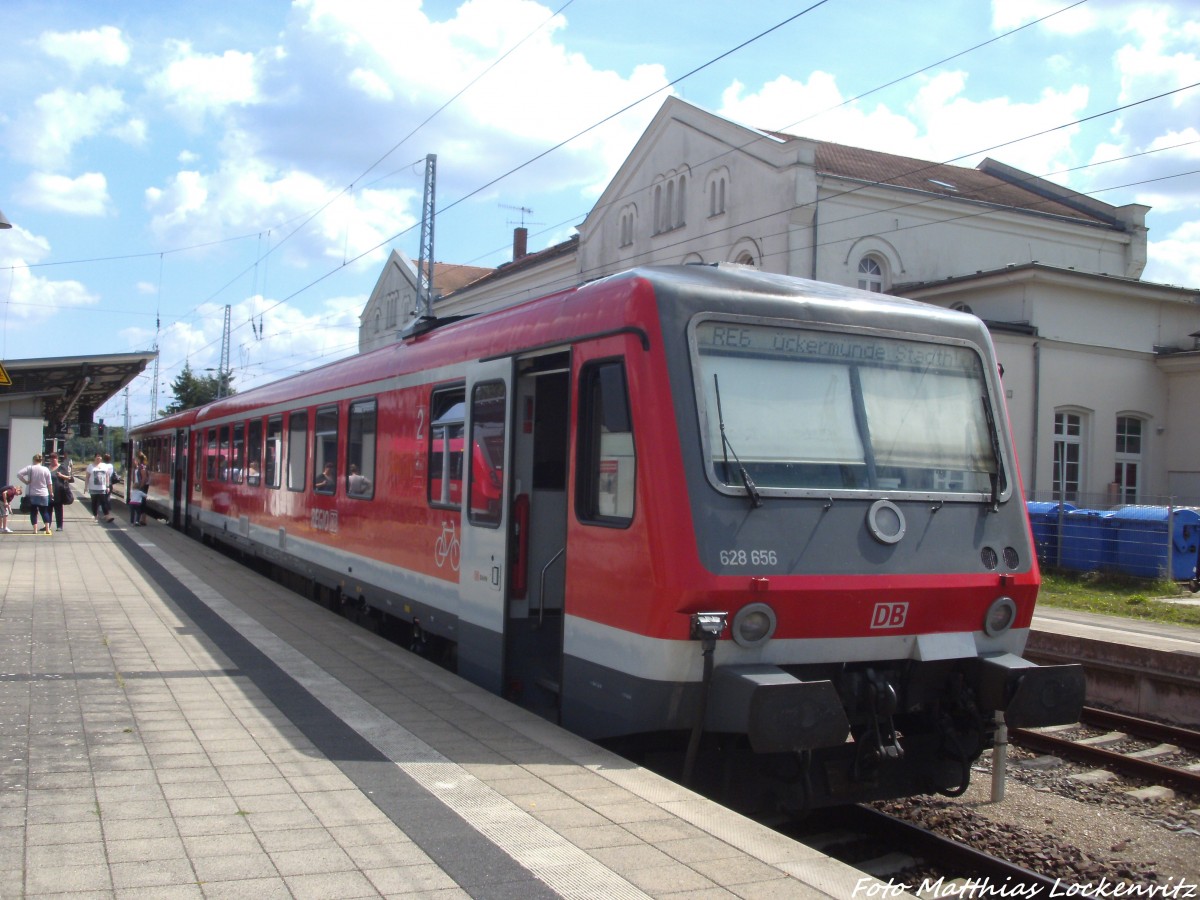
(198, 85)
(46, 135)
(372, 84)
(80, 49)
(132, 131)
(1176, 259)
(86, 195)
(1009, 14)
(247, 196)
(31, 298)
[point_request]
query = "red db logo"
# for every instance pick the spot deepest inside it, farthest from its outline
(889, 615)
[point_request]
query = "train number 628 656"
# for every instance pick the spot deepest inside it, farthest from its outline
(748, 558)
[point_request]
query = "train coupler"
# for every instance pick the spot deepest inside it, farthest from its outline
(885, 742)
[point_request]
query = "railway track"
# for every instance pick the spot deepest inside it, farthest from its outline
(1140, 764)
(911, 857)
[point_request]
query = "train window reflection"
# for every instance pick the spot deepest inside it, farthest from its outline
(325, 441)
(447, 416)
(821, 411)
(223, 454)
(360, 450)
(254, 446)
(274, 450)
(486, 472)
(297, 450)
(211, 455)
(607, 458)
(239, 453)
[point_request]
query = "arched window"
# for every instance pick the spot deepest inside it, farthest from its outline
(745, 259)
(716, 194)
(378, 319)
(681, 208)
(1130, 438)
(657, 208)
(1069, 435)
(665, 223)
(870, 275)
(626, 227)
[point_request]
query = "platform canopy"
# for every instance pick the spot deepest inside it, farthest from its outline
(70, 388)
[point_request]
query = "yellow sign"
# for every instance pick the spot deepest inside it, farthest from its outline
(5, 381)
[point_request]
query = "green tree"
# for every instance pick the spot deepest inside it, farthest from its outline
(192, 390)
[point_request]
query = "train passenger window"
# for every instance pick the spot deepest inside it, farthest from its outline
(297, 450)
(223, 454)
(274, 450)
(360, 450)
(486, 479)
(447, 416)
(607, 467)
(211, 455)
(254, 445)
(239, 453)
(325, 441)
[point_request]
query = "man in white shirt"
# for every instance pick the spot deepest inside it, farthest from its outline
(99, 481)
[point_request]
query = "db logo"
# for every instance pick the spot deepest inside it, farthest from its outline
(889, 615)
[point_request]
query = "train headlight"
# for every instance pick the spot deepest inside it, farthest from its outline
(1000, 616)
(754, 625)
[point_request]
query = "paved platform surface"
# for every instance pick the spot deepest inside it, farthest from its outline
(174, 725)
(1153, 636)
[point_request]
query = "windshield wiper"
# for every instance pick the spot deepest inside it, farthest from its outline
(995, 441)
(727, 449)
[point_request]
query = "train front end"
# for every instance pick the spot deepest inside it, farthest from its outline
(868, 573)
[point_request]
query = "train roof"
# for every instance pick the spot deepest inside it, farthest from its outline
(595, 307)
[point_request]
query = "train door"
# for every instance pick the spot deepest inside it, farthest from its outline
(534, 616)
(179, 479)
(483, 570)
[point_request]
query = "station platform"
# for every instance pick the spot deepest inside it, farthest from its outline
(176, 726)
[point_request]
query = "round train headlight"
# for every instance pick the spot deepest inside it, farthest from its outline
(1000, 616)
(753, 625)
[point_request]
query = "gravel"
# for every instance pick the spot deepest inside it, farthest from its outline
(1076, 831)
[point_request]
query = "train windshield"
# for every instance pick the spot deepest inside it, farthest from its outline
(807, 411)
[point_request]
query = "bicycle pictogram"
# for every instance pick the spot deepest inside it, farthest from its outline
(447, 546)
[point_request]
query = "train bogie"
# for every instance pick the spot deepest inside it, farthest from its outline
(771, 520)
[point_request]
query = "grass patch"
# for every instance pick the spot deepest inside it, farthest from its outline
(1115, 595)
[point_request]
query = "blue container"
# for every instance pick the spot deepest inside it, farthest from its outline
(1141, 542)
(1087, 541)
(1044, 520)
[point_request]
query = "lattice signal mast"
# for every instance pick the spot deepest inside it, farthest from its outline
(223, 370)
(425, 255)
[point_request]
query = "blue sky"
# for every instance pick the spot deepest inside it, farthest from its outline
(161, 160)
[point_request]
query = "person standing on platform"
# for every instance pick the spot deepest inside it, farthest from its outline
(62, 479)
(8, 494)
(98, 478)
(139, 485)
(41, 489)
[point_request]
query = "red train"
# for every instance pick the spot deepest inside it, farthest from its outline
(771, 523)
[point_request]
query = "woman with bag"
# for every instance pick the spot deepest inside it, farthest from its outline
(139, 485)
(41, 488)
